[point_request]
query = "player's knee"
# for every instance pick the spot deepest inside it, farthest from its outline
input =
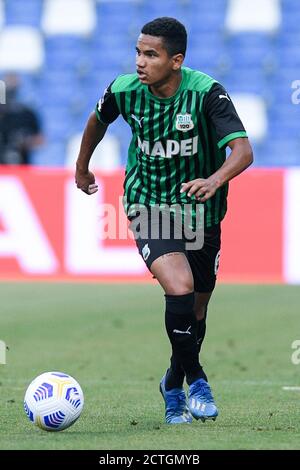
(180, 288)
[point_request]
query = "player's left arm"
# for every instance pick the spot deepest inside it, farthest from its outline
(230, 131)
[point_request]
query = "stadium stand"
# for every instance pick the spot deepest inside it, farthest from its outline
(262, 15)
(1, 13)
(252, 111)
(72, 49)
(21, 49)
(105, 157)
(29, 16)
(68, 17)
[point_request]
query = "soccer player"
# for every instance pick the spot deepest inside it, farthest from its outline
(181, 122)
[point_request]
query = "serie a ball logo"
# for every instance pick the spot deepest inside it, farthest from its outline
(53, 401)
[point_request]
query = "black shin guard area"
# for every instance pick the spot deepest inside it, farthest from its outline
(175, 375)
(201, 330)
(181, 327)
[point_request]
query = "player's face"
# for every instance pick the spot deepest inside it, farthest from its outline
(154, 65)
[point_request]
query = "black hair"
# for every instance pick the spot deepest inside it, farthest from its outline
(171, 30)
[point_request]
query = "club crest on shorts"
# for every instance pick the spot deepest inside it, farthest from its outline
(217, 262)
(146, 252)
(184, 122)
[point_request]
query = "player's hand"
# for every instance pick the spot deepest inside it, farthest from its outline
(85, 180)
(202, 189)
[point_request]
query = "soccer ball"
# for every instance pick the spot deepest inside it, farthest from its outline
(53, 401)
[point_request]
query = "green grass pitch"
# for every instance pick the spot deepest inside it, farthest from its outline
(111, 338)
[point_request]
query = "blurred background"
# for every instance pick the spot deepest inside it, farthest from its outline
(68, 51)
(56, 58)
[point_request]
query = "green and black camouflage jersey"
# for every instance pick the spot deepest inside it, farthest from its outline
(174, 140)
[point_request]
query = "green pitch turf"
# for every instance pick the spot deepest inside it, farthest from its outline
(111, 339)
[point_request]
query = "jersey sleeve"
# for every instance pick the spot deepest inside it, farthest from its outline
(107, 109)
(222, 113)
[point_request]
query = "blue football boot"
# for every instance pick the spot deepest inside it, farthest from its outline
(177, 411)
(201, 402)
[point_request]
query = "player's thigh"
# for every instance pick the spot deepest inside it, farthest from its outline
(166, 259)
(173, 272)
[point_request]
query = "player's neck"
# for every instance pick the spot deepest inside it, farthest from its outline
(167, 88)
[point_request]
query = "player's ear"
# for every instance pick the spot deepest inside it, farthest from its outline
(177, 61)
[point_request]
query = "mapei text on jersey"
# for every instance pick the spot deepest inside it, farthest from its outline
(169, 148)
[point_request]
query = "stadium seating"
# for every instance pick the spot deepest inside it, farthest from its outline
(105, 157)
(252, 110)
(262, 15)
(1, 13)
(26, 16)
(68, 51)
(68, 17)
(21, 48)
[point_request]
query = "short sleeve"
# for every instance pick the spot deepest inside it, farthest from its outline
(220, 110)
(107, 109)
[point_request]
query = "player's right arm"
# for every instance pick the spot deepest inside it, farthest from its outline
(92, 135)
(105, 113)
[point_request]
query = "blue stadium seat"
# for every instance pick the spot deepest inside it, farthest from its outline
(57, 121)
(245, 81)
(29, 89)
(151, 10)
(291, 17)
(67, 50)
(123, 9)
(289, 57)
(51, 154)
(248, 50)
(16, 12)
(218, 6)
(204, 57)
(278, 153)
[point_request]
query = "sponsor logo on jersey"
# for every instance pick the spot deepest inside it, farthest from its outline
(224, 96)
(169, 148)
(184, 122)
(139, 121)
